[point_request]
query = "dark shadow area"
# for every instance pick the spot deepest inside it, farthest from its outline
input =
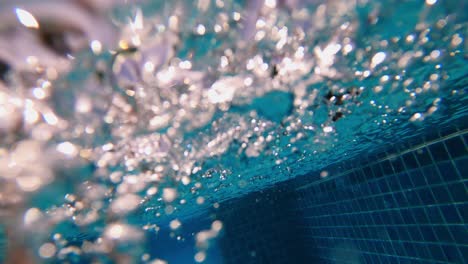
(262, 228)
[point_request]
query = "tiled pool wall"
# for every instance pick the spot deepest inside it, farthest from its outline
(408, 204)
(258, 229)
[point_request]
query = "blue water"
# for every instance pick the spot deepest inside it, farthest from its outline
(197, 105)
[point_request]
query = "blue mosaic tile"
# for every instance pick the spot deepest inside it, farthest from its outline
(452, 254)
(462, 166)
(438, 152)
(459, 233)
(450, 214)
(442, 193)
(423, 156)
(431, 174)
(448, 171)
(410, 161)
(443, 234)
(437, 252)
(458, 192)
(434, 215)
(453, 145)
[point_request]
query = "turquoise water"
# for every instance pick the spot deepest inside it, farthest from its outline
(198, 102)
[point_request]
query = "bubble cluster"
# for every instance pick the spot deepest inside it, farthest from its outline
(125, 119)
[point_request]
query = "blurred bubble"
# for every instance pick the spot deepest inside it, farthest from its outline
(125, 203)
(47, 250)
(31, 216)
(123, 232)
(175, 224)
(169, 194)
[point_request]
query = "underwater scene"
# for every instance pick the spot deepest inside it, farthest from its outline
(224, 131)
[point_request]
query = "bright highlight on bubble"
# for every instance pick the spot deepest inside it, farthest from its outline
(26, 18)
(378, 58)
(270, 3)
(67, 148)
